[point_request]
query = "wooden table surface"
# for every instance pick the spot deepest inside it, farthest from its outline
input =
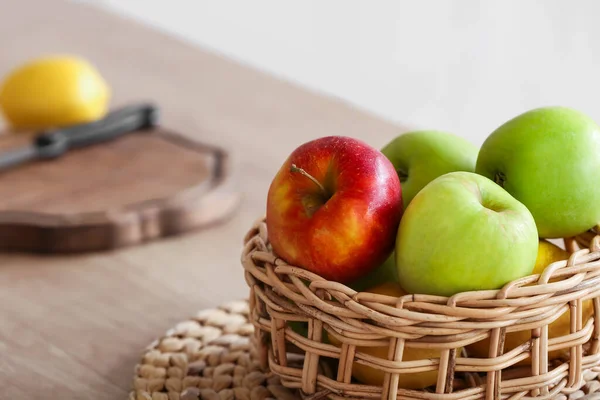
(73, 327)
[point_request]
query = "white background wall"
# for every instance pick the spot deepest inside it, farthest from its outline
(464, 66)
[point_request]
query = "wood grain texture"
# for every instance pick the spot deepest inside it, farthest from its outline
(139, 187)
(75, 326)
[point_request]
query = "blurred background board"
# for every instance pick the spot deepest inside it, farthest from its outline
(139, 187)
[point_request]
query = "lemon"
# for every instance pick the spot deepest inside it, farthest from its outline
(548, 253)
(53, 92)
(371, 376)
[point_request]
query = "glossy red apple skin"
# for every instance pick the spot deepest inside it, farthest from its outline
(342, 237)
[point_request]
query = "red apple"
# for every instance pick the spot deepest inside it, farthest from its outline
(334, 208)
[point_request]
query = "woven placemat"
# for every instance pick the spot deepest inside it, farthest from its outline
(210, 357)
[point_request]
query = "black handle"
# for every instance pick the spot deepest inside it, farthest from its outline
(119, 122)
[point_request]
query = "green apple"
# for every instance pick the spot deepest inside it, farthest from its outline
(463, 232)
(421, 156)
(548, 159)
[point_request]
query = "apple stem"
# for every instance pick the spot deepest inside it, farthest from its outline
(500, 179)
(302, 172)
(402, 175)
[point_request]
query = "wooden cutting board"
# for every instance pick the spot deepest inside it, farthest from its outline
(142, 186)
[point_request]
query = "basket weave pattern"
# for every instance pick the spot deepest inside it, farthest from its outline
(281, 293)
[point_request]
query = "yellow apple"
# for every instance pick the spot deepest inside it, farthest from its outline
(371, 376)
(547, 254)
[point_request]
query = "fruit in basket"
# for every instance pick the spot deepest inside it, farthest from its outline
(548, 159)
(334, 208)
(463, 232)
(371, 376)
(385, 273)
(53, 91)
(548, 253)
(301, 328)
(421, 156)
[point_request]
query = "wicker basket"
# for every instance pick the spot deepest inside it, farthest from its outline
(281, 293)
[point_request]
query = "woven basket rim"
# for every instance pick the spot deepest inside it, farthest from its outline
(532, 298)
